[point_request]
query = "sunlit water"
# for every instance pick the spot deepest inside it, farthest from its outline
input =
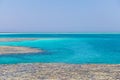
(66, 48)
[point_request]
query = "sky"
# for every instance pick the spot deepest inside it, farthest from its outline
(59, 15)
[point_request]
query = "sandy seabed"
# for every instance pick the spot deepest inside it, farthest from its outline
(55, 71)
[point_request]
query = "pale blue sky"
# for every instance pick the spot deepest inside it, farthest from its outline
(59, 15)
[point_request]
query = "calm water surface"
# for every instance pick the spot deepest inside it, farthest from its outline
(66, 48)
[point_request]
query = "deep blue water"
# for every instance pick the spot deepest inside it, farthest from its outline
(66, 48)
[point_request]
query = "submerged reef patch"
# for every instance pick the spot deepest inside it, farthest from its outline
(16, 39)
(18, 50)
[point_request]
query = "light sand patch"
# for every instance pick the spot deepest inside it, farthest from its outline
(16, 50)
(16, 39)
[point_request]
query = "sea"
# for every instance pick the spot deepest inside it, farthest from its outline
(65, 48)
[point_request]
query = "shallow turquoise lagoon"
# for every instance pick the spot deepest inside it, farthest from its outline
(66, 48)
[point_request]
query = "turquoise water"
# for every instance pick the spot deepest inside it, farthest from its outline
(66, 48)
